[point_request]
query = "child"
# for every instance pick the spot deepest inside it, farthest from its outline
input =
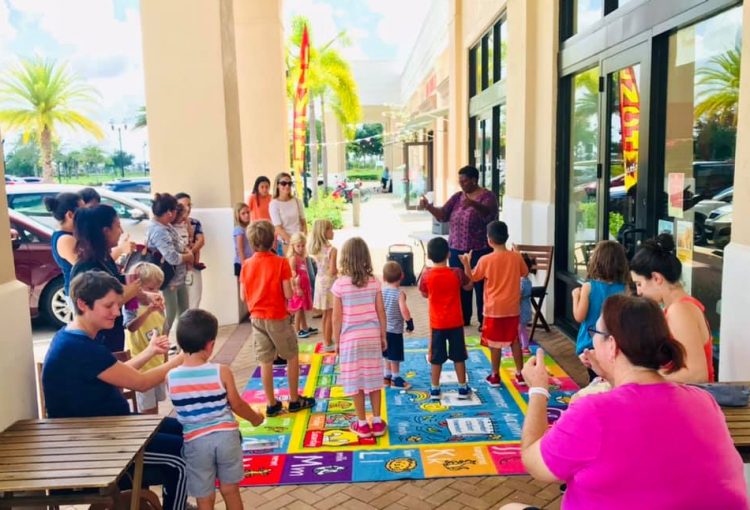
(501, 271)
(526, 285)
(608, 272)
(442, 285)
(205, 399)
(265, 287)
(242, 249)
(302, 293)
(182, 226)
(396, 312)
(325, 258)
(359, 333)
(142, 322)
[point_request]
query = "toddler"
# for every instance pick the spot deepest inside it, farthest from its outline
(301, 300)
(184, 230)
(526, 285)
(396, 313)
(325, 258)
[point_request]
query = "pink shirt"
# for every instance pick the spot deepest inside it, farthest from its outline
(661, 446)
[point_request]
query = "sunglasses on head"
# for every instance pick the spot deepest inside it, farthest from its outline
(285, 183)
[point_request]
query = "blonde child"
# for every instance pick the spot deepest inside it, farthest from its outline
(325, 258)
(301, 300)
(359, 333)
(142, 323)
(396, 314)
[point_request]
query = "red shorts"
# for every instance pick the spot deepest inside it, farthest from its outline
(499, 332)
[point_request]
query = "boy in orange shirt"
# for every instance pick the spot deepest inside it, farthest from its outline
(502, 269)
(442, 285)
(265, 286)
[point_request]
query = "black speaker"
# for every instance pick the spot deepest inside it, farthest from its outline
(404, 256)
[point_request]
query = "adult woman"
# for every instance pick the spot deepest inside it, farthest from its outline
(287, 213)
(161, 236)
(81, 378)
(656, 271)
(242, 248)
(97, 230)
(648, 443)
(196, 242)
(63, 243)
(469, 211)
(260, 199)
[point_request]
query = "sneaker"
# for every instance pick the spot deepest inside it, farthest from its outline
(464, 392)
(362, 431)
(379, 428)
(329, 348)
(400, 383)
(301, 403)
(387, 380)
(279, 361)
(274, 410)
(519, 379)
(493, 380)
(435, 394)
(312, 331)
(303, 333)
(526, 351)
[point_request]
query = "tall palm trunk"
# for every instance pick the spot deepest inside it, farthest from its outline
(313, 149)
(48, 173)
(324, 147)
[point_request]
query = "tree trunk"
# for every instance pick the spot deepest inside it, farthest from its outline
(313, 149)
(324, 147)
(48, 172)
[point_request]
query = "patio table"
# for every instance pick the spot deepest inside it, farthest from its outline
(43, 457)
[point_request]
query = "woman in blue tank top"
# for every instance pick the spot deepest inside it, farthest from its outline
(63, 208)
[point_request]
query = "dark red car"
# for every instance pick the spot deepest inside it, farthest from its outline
(32, 255)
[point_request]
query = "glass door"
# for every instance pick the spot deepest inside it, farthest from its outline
(418, 174)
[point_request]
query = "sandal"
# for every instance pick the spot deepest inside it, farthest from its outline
(274, 410)
(301, 403)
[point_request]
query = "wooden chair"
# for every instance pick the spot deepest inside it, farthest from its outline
(542, 255)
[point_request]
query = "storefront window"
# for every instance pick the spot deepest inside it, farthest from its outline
(503, 49)
(701, 135)
(503, 129)
(490, 57)
(583, 208)
(473, 89)
(478, 60)
(586, 13)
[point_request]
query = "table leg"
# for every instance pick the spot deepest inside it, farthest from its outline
(135, 499)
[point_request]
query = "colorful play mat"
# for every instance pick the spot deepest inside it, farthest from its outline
(425, 439)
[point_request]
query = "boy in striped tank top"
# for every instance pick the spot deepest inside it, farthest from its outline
(205, 396)
(396, 314)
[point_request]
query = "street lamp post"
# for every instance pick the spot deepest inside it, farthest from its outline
(119, 128)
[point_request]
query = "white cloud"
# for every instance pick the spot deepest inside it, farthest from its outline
(7, 32)
(321, 18)
(400, 23)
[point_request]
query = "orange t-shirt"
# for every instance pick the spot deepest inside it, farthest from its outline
(442, 285)
(261, 276)
(259, 211)
(502, 272)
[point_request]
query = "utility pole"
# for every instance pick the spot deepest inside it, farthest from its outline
(119, 128)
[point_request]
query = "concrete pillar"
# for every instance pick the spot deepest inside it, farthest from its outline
(261, 79)
(734, 361)
(458, 102)
(194, 126)
(18, 393)
(336, 149)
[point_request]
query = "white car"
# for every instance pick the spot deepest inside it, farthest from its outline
(29, 200)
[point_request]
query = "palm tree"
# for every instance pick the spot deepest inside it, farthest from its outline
(140, 119)
(330, 80)
(39, 95)
(719, 87)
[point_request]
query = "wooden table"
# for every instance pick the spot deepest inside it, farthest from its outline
(73, 453)
(738, 421)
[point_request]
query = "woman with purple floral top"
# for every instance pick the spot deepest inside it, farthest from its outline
(469, 211)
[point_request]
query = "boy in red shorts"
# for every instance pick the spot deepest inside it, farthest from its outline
(501, 270)
(441, 285)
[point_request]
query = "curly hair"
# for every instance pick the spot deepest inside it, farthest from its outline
(356, 261)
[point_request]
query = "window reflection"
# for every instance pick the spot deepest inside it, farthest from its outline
(586, 13)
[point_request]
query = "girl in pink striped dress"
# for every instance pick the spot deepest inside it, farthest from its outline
(359, 334)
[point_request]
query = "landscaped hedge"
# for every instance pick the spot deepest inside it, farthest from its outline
(326, 207)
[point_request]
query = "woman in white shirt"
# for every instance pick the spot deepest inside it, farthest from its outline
(287, 212)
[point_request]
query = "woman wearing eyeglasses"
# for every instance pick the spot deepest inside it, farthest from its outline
(648, 443)
(287, 212)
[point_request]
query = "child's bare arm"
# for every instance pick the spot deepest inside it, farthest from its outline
(332, 269)
(581, 301)
(286, 285)
(239, 406)
(242, 291)
(405, 313)
(380, 308)
(136, 323)
(338, 312)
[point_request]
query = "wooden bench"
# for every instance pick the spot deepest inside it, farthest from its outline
(738, 421)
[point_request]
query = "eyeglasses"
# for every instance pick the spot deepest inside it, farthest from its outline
(285, 183)
(593, 331)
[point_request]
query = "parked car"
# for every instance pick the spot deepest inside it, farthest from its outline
(141, 185)
(31, 180)
(34, 265)
(718, 226)
(12, 179)
(145, 198)
(704, 208)
(29, 200)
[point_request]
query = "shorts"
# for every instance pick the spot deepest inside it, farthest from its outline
(456, 346)
(151, 398)
(237, 269)
(395, 349)
(274, 337)
(215, 455)
(499, 332)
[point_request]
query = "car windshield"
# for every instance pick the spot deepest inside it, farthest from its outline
(724, 194)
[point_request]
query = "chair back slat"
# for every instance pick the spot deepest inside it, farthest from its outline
(543, 255)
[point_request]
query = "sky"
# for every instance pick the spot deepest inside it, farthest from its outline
(101, 41)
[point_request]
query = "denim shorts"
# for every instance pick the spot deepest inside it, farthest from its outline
(447, 344)
(215, 455)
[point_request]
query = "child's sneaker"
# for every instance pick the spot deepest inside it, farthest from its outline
(301, 403)
(464, 392)
(435, 394)
(387, 380)
(362, 431)
(400, 383)
(526, 351)
(274, 410)
(519, 379)
(303, 333)
(379, 428)
(329, 348)
(493, 380)
(312, 331)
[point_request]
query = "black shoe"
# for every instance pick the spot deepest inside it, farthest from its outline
(274, 410)
(312, 331)
(301, 403)
(279, 361)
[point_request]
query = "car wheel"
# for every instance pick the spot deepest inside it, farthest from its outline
(54, 305)
(699, 233)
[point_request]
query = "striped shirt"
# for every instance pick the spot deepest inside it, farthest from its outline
(393, 318)
(200, 400)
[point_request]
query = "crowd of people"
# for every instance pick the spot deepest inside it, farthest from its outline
(640, 349)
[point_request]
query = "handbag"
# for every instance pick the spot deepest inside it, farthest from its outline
(143, 253)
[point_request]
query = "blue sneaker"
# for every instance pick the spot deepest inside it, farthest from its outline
(464, 392)
(435, 394)
(400, 384)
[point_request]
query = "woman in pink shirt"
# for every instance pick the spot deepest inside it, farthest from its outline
(647, 444)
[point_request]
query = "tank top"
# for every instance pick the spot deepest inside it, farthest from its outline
(65, 266)
(708, 347)
(393, 318)
(200, 400)
(600, 291)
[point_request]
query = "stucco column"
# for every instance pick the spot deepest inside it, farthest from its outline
(18, 391)
(194, 126)
(458, 102)
(336, 150)
(261, 80)
(734, 360)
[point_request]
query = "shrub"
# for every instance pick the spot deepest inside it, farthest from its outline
(326, 207)
(365, 174)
